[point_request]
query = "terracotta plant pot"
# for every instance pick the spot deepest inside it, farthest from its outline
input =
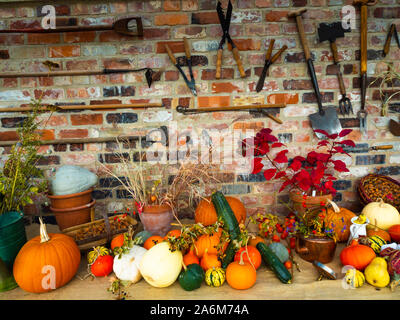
(313, 203)
(313, 248)
(72, 200)
(157, 219)
(70, 217)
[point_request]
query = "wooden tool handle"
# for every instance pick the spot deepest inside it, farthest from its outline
(276, 55)
(363, 35)
(388, 40)
(341, 82)
(334, 52)
(269, 52)
(236, 56)
(302, 35)
(277, 120)
(187, 47)
(219, 62)
(170, 54)
(384, 147)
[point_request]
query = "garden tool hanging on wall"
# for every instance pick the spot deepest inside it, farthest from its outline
(225, 22)
(190, 83)
(362, 113)
(122, 26)
(326, 118)
(392, 32)
(330, 32)
(268, 62)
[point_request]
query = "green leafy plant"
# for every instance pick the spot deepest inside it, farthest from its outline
(21, 179)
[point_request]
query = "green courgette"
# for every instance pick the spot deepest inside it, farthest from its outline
(231, 224)
(271, 260)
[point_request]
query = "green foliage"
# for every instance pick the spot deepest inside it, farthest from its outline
(20, 179)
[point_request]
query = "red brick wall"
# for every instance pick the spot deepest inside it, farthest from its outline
(254, 24)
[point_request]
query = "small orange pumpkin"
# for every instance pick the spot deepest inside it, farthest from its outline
(251, 255)
(173, 233)
(206, 241)
(207, 215)
(379, 232)
(46, 262)
(241, 275)
(357, 255)
(152, 241)
(117, 241)
(340, 220)
(190, 258)
(209, 261)
(253, 241)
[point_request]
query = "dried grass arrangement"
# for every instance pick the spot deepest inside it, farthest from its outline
(185, 180)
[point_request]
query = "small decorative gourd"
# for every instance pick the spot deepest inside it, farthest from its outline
(190, 258)
(143, 235)
(354, 278)
(376, 242)
(357, 255)
(215, 277)
(191, 277)
(206, 241)
(375, 231)
(126, 265)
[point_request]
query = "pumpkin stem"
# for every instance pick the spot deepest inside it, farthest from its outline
(334, 206)
(44, 237)
(241, 262)
(184, 266)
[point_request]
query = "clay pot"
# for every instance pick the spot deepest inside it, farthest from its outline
(72, 200)
(313, 203)
(69, 217)
(313, 248)
(157, 219)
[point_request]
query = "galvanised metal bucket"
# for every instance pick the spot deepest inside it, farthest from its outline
(12, 236)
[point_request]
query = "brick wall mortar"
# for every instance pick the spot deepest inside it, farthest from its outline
(254, 24)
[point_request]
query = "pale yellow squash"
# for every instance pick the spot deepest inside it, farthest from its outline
(159, 266)
(384, 215)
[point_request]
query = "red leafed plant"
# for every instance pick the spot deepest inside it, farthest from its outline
(313, 173)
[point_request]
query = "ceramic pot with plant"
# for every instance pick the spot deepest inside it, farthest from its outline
(308, 179)
(20, 181)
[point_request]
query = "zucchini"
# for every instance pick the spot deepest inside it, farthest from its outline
(230, 224)
(274, 263)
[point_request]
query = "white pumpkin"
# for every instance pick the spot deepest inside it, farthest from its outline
(159, 266)
(383, 213)
(127, 266)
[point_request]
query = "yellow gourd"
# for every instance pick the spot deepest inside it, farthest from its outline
(354, 278)
(381, 213)
(376, 273)
(159, 266)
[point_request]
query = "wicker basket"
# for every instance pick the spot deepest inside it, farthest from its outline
(103, 238)
(366, 196)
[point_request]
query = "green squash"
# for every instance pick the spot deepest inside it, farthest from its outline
(280, 251)
(191, 278)
(144, 235)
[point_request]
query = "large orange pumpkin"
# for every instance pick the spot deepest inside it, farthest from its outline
(205, 212)
(357, 255)
(241, 275)
(340, 220)
(206, 242)
(46, 262)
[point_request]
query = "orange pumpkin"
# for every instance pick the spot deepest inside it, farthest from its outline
(206, 241)
(117, 241)
(357, 255)
(46, 262)
(152, 241)
(253, 241)
(251, 255)
(379, 232)
(206, 215)
(209, 261)
(173, 233)
(340, 220)
(394, 232)
(190, 258)
(241, 275)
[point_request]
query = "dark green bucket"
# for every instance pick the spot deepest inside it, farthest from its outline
(7, 281)
(12, 236)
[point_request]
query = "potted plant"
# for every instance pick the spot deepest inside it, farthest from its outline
(20, 181)
(309, 179)
(158, 201)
